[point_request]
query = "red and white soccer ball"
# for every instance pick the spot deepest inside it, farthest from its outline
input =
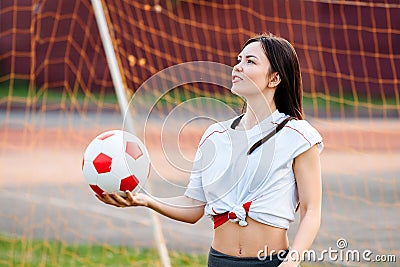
(116, 161)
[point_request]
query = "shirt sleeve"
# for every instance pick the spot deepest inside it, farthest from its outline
(195, 188)
(304, 136)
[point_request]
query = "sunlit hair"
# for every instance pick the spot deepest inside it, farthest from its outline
(283, 59)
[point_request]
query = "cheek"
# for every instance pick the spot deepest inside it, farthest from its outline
(246, 87)
(260, 81)
(255, 82)
(256, 73)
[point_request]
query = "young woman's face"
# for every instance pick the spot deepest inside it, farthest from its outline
(250, 76)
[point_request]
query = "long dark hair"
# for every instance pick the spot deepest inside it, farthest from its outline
(288, 95)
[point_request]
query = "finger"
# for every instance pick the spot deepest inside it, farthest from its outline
(136, 199)
(99, 197)
(133, 199)
(109, 199)
(123, 202)
(103, 198)
(129, 196)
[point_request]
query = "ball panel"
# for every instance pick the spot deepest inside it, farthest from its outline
(102, 163)
(128, 137)
(89, 172)
(120, 166)
(141, 168)
(105, 135)
(129, 183)
(109, 182)
(96, 189)
(93, 149)
(114, 145)
(133, 149)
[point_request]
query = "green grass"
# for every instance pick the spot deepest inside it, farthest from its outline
(18, 91)
(34, 253)
(25, 252)
(348, 101)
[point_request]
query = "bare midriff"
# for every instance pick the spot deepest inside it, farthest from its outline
(235, 240)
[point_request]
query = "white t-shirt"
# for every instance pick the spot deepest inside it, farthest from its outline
(225, 177)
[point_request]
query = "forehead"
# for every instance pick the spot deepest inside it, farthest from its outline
(255, 49)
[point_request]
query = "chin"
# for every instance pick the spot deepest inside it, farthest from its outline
(235, 90)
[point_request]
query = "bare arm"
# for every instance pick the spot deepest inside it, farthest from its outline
(307, 171)
(179, 208)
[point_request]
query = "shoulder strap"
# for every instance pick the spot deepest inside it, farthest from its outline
(236, 121)
(268, 136)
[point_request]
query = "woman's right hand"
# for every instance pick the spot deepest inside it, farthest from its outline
(181, 208)
(135, 199)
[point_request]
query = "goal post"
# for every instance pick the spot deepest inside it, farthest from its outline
(100, 14)
(113, 65)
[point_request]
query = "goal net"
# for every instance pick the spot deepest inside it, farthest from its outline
(174, 57)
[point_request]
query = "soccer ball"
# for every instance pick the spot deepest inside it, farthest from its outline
(116, 161)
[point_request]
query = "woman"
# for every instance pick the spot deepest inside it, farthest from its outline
(252, 173)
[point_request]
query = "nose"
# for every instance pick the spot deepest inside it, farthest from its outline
(238, 67)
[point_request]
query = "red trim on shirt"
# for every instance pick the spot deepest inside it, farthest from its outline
(296, 131)
(212, 134)
(216, 213)
(300, 134)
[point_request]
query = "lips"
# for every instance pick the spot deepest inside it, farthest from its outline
(236, 78)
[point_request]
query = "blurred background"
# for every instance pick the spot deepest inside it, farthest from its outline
(57, 94)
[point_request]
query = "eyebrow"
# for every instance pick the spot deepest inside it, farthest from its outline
(249, 56)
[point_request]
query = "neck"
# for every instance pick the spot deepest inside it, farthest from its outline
(257, 109)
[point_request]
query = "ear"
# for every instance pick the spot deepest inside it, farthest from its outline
(274, 80)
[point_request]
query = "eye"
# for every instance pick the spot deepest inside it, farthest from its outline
(250, 61)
